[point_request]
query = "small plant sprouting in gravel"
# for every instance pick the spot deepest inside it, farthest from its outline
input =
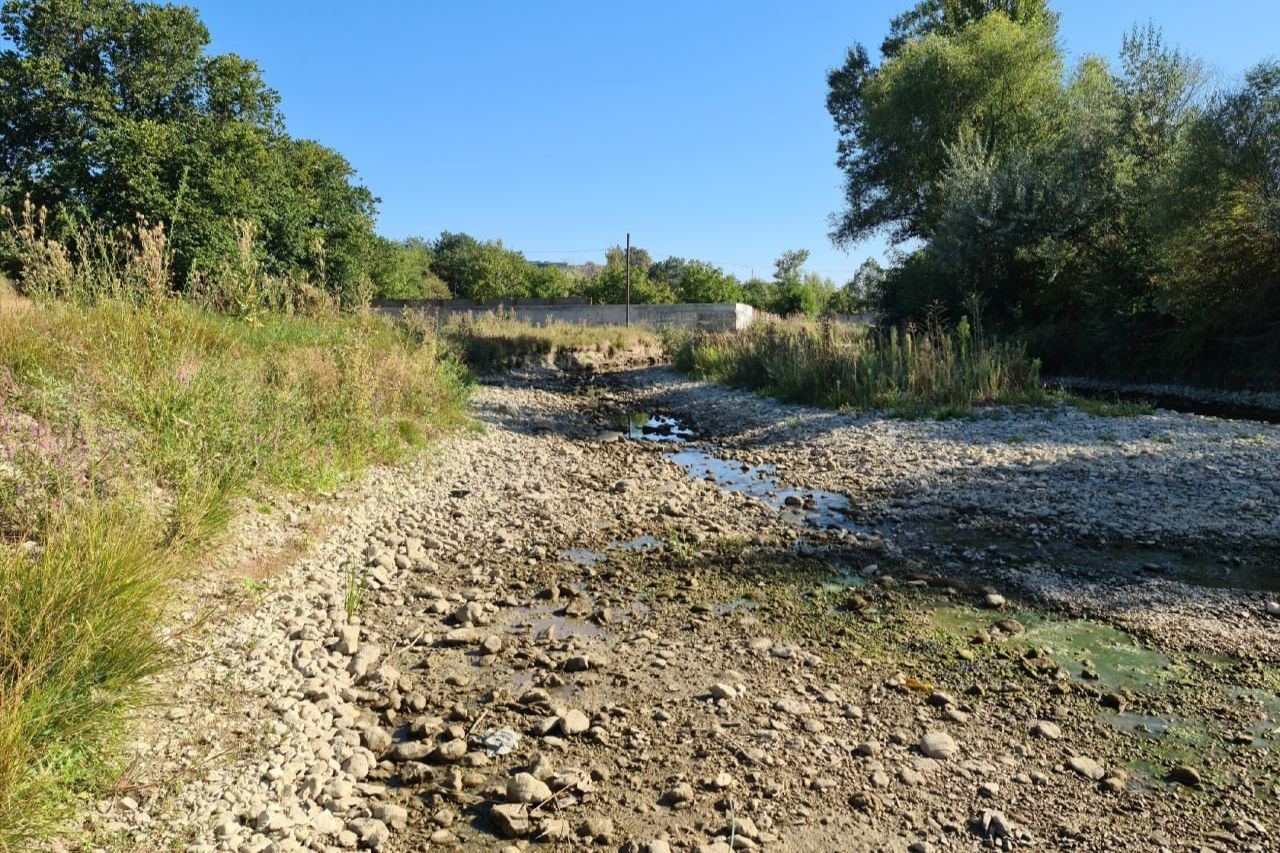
(679, 547)
(254, 587)
(357, 583)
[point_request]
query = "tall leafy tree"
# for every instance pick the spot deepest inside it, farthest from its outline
(480, 270)
(112, 109)
(402, 270)
(609, 284)
(952, 75)
(695, 281)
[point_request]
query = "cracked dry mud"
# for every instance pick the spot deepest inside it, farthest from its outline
(1031, 629)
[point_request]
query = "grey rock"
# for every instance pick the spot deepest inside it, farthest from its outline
(411, 750)
(1046, 730)
(511, 820)
(573, 722)
(397, 817)
(938, 745)
(371, 832)
(1086, 767)
(679, 795)
(525, 788)
(990, 823)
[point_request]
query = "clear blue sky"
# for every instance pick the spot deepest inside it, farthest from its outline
(697, 126)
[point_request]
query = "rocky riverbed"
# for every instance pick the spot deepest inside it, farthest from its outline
(647, 614)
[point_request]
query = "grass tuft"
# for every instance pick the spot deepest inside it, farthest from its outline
(935, 372)
(77, 636)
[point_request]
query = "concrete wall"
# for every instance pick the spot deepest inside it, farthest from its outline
(863, 319)
(711, 317)
(853, 319)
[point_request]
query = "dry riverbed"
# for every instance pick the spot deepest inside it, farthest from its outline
(649, 614)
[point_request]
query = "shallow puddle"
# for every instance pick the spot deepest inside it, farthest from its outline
(1265, 709)
(590, 557)
(651, 427)
(537, 619)
(582, 556)
(1149, 725)
(641, 543)
(800, 506)
(738, 605)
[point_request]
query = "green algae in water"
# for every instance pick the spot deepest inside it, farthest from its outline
(1113, 654)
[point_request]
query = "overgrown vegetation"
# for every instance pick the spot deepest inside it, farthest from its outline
(932, 371)
(1124, 221)
(113, 110)
(493, 340)
(132, 426)
(173, 345)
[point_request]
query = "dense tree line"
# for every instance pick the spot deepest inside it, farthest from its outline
(1121, 218)
(460, 266)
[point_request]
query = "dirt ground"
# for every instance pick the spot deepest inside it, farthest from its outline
(1031, 629)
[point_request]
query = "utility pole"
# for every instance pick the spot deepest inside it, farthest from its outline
(628, 278)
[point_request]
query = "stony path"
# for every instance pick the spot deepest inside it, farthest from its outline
(545, 636)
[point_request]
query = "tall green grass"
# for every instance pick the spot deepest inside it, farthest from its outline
(931, 372)
(131, 432)
(78, 622)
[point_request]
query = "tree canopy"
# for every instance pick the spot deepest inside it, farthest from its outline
(113, 109)
(1119, 217)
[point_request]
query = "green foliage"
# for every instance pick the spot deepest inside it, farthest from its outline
(462, 267)
(473, 269)
(861, 292)
(113, 110)
(609, 284)
(993, 81)
(936, 371)
(78, 623)
(792, 291)
(402, 270)
(788, 268)
(949, 17)
(1121, 220)
(695, 281)
(357, 584)
(1104, 408)
(550, 281)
